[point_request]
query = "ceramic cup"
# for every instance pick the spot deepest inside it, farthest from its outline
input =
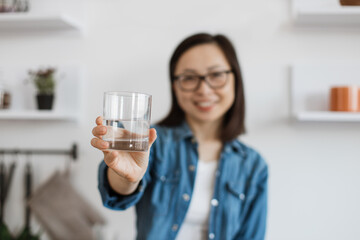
(345, 98)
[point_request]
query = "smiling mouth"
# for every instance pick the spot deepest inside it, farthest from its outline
(205, 106)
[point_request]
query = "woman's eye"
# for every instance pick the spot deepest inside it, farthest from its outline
(189, 78)
(216, 74)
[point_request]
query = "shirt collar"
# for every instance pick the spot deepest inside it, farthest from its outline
(183, 131)
(234, 146)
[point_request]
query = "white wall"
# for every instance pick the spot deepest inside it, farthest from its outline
(314, 178)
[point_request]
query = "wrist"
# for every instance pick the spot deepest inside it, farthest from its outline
(126, 180)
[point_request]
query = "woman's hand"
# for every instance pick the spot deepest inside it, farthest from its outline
(129, 166)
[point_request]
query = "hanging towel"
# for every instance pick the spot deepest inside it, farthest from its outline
(62, 211)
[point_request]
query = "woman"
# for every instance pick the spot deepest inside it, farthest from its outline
(197, 181)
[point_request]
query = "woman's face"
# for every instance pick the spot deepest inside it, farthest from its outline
(205, 104)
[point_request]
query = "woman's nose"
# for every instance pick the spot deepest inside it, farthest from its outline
(204, 88)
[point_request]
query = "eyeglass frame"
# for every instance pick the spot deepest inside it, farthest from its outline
(203, 78)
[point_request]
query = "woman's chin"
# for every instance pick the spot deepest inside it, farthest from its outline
(205, 119)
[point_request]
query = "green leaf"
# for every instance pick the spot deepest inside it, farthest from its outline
(26, 235)
(5, 233)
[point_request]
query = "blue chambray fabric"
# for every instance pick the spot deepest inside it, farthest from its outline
(164, 193)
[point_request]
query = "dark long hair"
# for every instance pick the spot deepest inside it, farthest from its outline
(233, 124)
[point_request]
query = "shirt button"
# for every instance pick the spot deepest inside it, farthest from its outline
(175, 227)
(163, 178)
(186, 197)
(214, 202)
(191, 168)
(242, 196)
(211, 236)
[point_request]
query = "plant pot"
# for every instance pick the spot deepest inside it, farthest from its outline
(4, 99)
(45, 101)
(350, 2)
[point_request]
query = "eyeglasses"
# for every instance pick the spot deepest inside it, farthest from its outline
(191, 82)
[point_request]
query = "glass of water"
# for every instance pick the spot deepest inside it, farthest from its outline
(127, 119)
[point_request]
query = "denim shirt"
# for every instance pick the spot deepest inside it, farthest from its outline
(239, 205)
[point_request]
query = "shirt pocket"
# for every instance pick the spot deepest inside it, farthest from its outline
(239, 194)
(164, 191)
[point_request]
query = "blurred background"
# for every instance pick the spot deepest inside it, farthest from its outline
(291, 53)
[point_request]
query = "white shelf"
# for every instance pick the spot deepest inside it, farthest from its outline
(327, 116)
(36, 115)
(23, 106)
(28, 21)
(313, 13)
(310, 91)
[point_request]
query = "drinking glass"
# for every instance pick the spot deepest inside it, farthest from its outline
(127, 119)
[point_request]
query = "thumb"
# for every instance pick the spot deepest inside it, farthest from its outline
(152, 136)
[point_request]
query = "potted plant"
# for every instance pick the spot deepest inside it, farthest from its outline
(45, 84)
